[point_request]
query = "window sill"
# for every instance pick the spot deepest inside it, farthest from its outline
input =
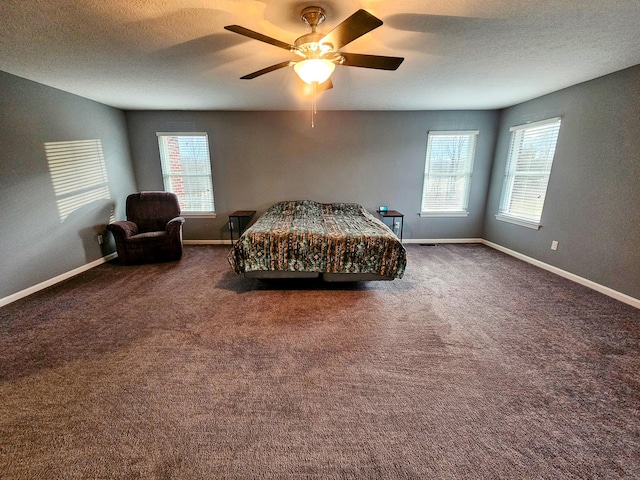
(519, 221)
(445, 214)
(199, 215)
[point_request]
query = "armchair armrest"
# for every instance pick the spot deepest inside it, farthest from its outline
(123, 228)
(174, 224)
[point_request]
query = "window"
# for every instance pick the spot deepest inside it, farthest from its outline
(527, 173)
(186, 170)
(447, 173)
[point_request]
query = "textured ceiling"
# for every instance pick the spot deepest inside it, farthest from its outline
(459, 54)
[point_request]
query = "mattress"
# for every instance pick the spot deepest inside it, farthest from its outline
(303, 238)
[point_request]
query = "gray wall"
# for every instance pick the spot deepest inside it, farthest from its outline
(371, 158)
(35, 245)
(592, 206)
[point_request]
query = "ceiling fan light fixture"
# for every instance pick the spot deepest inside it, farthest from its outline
(314, 70)
(321, 53)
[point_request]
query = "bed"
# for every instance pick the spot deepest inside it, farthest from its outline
(307, 239)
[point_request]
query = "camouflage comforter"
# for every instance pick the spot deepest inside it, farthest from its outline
(307, 236)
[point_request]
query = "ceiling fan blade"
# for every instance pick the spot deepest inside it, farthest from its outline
(353, 27)
(272, 68)
(371, 61)
(259, 36)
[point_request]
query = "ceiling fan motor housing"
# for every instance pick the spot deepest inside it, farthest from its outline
(309, 45)
(313, 16)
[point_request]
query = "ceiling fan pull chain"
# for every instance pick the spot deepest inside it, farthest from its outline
(313, 104)
(315, 98)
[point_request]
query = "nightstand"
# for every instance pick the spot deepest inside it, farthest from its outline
(243, 217)
(393, 214)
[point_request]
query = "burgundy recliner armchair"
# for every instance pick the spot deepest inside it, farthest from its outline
(152, 231)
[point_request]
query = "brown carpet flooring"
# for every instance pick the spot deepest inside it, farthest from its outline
(473, 366)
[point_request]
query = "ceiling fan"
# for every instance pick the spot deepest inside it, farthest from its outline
(320, 53)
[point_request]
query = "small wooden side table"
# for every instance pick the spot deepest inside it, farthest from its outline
(243, 217)
(393, 214)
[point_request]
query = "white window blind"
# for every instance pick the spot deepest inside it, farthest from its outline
(527, 172)
(447, 173)
(186, 170)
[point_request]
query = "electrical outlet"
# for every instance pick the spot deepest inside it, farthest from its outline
(554, 245)
(397, 225)
(100, 240)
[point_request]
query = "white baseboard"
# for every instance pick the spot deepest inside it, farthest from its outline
(442, 240)
(634, 302)
(206, 242)
(52, 281)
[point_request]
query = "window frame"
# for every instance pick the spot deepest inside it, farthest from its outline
(207, 173)
(542, 170)
(466, 173)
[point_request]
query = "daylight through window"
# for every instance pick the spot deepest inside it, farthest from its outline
(447, 173)
(186, 170)
(527, 172)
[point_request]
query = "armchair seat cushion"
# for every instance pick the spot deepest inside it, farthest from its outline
(148, 236)
(152, 231)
